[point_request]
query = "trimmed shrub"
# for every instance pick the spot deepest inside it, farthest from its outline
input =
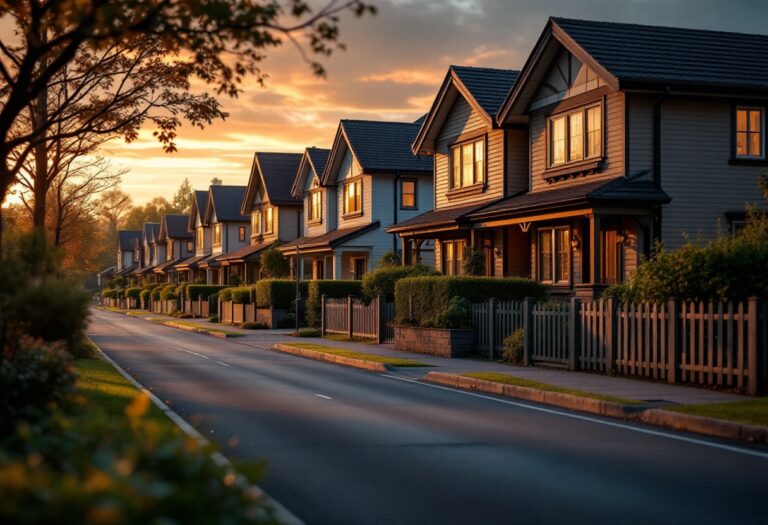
(388, 259)
(334, 289)
(513, 347)
(120, 293)
(168, 293)
(253, 326)
(432, 296)
(155, 293)
(225, 294)
(145, 295)
(278, 293)
(109, 293)
(381, 281)
(274, 265)
(473, 261)
(195, 291)
(133, 292)
(117, 282)
(241, 295)
(181, 289)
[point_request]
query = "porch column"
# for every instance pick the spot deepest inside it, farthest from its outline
(594, 248)
(337, 266)
(406, 249)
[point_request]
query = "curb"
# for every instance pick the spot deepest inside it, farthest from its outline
(371, 366)
(705, 425)
(187, 328)
(281, 514)
(570, 401)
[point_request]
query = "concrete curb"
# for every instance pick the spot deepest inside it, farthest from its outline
(171, 324)
(704, 425)
(371, 366)
(283, 515)
(570, 401)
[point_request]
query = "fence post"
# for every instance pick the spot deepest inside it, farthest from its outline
(574, 333)
(491, 327)
(350, 316)
(673, 346)
(528, 330)
(752, 358)
(610, 336)
(379, 324)
(322, 315)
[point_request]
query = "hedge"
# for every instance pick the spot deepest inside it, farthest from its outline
(241, 295)
(435, 297)
(278, 293)
(145, 294)
(109, 293)
(133, 292)
(332, 289)
(168, 293)
(225, 294)
(196, 291)
(382, 280)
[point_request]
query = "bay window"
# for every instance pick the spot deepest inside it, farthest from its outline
(575, 136)
(554, 255)
(467, 164)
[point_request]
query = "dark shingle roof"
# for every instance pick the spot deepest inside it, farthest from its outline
(248, 253)
(127, 239)
(201, 200)
(440, 217)
(331, 239)
(488, 86)
(151, 229)
(319, 157)
(278, 171)
(671, 54)
(176, 226)
(226, 203)
(385, 146)
(619, 189)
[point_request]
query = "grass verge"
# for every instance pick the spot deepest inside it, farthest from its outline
(198, 326)
(530, 383)
(394, 361)
(749, 411)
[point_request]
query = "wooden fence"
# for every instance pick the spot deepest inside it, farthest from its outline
(706, 344)
(354, 318)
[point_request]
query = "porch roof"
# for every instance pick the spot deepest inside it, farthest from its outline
(167, 265)
(248, 253)
(328, 240)
(126, 271)
(209, 261)
(438, 218)
(191, 263)
(620, 190)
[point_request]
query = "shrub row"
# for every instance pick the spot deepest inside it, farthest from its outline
(278, 293)
(133, 293)
(382, 280)
(197, 291)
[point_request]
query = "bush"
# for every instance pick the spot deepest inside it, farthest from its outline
(133, 292)
(381, 281)
(253, 326)
(278, 293)
(241, 295)
(333, 289)
(513, 347)
(455, 314)
(145, 295)
(195, 291)
(155, 293)
(473, 261)
(168, 293)
(109, 293)
(432, 295)
(225, 295)
(181, 289)
(117, 282)
(37, 378)
(388, 260)
(213, 319)
(274, 265)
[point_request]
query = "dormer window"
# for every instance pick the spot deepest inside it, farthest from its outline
(217, 234)
(256, 222)
(269, 220)
(353, 197)
(750, 126)
(467, 164)
(575, 136)
(315, 204)
(200, 237)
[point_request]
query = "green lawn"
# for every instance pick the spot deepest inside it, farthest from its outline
(530, 383)
(394, 361)
(750, 411)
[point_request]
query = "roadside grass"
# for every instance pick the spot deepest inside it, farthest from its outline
(166, 322)
(347, 339)
(306, 332)
(530, 383)
(750, 411)
(394, 361)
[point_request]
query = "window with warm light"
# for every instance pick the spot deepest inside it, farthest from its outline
(408, 194)
(315, 205)
(467, 164)
(749, 133)
(554, 253)
(190, 246)
(453, 255)
(217, 234)
(200, 237)
(353, 198)
(170, 250)
(575, 136)
(241, 233)
(269, 220)
(256, 222)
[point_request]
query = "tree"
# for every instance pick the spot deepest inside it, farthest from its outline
(274, 265)
(473, 262)
(152, 211)
(120, 64)
(182, 200)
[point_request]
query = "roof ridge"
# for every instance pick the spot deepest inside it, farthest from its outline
(377, 121)
(651, 26)
(483, 68)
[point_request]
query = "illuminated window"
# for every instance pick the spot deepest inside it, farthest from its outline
(200, 237)
(241, 233)
(575, 136)
(269, 220)
(408, 194)
(749, 133)
(256, 222)
(468, 164)
(190, 246)
(315, 205)
(353, 198)
(217, 234)
(554, 256)
(170, 250)
(453, 255)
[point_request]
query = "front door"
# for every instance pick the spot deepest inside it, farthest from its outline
(359, 268)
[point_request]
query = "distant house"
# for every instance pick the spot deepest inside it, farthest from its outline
(127, 260)
(201, 231)
(370, 181)
(616, 136)
(179, 245)
(149, 231)
(230, 229)
(274, 212)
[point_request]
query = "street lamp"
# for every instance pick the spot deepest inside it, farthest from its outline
(298, 292)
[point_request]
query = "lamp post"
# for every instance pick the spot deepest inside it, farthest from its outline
(298, 293)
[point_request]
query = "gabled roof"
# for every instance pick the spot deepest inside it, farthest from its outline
(313, 161)
(174, 226)
(328, 240)
(275, 172)
(199, 204)
(126, 239)
(225, 201)
(631, 56)
(149, 230)
(379, 147)
(484, 88)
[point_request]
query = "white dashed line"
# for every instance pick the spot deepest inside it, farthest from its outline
(194, 353)
(222, 364)
(321, 396)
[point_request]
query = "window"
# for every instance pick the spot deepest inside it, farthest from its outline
(217, 234)
(353, 199)
(359, 267)
(554, 255)
(408, 194)
(315, 205)
(170, 250)
(749, 133)
(453, 254)
(256, 223)
(468, 164)
(269, 220)
(200, 238)
(575, 136)
(241, 233)
(190, 246)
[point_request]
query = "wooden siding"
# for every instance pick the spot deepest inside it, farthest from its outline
(613, 122)
(641, 139)
(311, 230)
(517, 161)
(287, 223)
(344, 173)
(695, 173)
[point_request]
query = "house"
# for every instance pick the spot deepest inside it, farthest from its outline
(627, 135)
(179, 246)
(275, 213)
(127, 259)
(230, 230)
(149, 231)
(203, 239)
(370, 181)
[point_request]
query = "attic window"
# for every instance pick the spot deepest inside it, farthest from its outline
(315, 204)
(750, 127)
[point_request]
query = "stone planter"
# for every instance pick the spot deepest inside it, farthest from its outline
(443, 342)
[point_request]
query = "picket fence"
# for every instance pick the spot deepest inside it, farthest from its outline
(706, 344)
(354, 318)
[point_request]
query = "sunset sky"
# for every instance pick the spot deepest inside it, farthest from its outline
(391, 70)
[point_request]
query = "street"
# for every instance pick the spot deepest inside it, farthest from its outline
(348, 446)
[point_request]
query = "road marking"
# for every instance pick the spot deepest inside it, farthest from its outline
(323, 397)
(222, 364)
(676, 437)
(194, 353)
(255, 346)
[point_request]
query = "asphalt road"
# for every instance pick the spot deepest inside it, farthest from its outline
(347, 446)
